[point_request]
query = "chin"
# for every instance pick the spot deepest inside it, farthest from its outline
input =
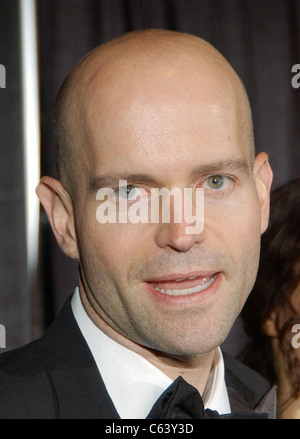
(192, 347)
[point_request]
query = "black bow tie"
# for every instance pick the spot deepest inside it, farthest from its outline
(183, 401)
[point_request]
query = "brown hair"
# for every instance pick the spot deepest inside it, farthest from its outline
(278, 277)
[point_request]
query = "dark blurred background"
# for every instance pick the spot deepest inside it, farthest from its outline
(261, 39)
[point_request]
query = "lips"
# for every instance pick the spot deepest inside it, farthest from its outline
(183, 285)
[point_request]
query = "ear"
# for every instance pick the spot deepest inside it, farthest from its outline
(58, 206)
(269, 326)
(263, 177)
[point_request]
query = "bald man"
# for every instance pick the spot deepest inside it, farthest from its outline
(143, 115)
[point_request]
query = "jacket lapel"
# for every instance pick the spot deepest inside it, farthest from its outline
(69, 360)
(243, 399)
(240, 396)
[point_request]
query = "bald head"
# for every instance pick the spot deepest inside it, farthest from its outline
(142, 115)
(139, 67)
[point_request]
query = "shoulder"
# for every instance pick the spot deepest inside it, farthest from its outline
(26, 390)
(239, 375)
(31, 376)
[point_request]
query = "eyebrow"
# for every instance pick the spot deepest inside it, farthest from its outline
(112, 180)
(226, 165)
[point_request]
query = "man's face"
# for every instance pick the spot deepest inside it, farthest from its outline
(156, 284)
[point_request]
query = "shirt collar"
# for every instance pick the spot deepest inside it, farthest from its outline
(129, 378)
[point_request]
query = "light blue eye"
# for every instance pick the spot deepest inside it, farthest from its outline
(128, 192)
(215, 181)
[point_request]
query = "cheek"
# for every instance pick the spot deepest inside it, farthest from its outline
(246, 229)
(295, 299)
(247, 238)
(238, 233)
(112, 247)
(238, 222)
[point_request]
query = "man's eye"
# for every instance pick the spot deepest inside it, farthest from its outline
(128, 192)
(215, 181)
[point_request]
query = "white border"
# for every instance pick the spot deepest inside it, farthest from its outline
(31, 131)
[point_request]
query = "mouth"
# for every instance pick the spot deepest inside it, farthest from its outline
(184, 285)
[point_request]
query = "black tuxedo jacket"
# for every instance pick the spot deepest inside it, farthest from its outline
(56, 377)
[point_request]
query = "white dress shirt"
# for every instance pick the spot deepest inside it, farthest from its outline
(133, 383)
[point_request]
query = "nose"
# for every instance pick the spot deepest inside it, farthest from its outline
(178, 236)
(176, 230)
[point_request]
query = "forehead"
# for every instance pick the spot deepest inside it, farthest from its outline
(144, 117)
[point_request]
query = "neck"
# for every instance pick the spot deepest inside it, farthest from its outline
(193, 368)
(288, 399)
(285, 389)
